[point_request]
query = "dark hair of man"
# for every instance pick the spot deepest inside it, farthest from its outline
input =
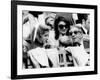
(57, 20)
(35, 13)
(81, 17)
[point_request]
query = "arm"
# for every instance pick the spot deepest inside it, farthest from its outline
(80, 57)
(73, 59)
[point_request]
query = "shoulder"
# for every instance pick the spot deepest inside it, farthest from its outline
(33, 50)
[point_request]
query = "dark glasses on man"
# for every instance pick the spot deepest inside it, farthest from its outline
(62, 26)
(75, 32)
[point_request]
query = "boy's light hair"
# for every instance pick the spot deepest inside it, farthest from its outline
(42, 29)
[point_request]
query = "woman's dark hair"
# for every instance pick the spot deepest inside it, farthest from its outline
(57, 20)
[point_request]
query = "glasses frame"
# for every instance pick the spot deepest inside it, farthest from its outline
(75, 32)
(59, 26)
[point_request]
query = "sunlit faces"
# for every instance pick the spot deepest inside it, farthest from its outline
(62, 27)
(76, 34)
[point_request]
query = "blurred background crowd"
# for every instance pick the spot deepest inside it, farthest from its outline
(55, 39)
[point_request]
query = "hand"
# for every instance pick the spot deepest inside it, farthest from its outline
(65, 40)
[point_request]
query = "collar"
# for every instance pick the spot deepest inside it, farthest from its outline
(85, 30)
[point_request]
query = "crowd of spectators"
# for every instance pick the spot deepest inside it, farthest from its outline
(55, 39)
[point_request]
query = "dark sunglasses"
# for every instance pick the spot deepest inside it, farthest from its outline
(62, 26)
(75, 32)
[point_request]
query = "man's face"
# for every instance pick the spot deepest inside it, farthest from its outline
(62, 27)
(87, 23)
(75, 34)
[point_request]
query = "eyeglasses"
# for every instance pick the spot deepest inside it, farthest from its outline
(75, 32)
(62, 26)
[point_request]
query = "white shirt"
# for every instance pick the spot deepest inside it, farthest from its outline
(53, 56)
(40, 56)
(79, 55)
(52, 40)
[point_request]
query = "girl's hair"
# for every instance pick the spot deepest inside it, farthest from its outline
(57, 20)
(42, 29)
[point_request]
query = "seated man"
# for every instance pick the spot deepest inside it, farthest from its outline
(79, 55)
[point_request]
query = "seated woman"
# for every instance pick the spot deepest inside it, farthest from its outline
(38, 54)
(79, 55)
(62, 27)
(42, 55)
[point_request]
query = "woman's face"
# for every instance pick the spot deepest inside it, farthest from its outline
(62, 28)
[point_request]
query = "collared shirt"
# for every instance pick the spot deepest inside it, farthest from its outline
(80, 57)
(40, 56)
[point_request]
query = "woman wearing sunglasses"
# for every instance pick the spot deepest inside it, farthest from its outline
(62, 26)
